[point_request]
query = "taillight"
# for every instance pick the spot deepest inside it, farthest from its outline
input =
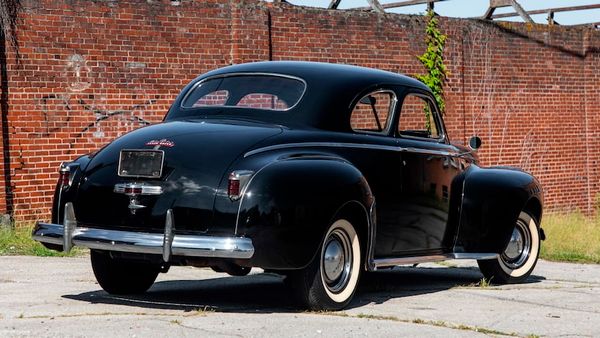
(237, 183)
(64, 178)
(133, 190)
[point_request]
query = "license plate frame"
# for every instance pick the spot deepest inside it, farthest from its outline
(144, 163)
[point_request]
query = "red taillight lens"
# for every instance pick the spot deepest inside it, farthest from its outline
(133, 190)
(237, 183)
(234, 188)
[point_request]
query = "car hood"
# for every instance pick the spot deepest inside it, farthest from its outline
(197, 157)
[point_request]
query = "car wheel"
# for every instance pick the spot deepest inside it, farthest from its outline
(330, 280)
(118, 276)
(519, 257)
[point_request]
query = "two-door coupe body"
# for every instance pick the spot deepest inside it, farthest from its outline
(315, 171)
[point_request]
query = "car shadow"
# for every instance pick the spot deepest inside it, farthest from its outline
(267, 292)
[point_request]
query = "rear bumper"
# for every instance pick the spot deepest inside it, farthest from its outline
(166, 244)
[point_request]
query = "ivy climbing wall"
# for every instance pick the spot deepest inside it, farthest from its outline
(91, 71)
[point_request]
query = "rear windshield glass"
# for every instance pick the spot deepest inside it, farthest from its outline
(268, 92)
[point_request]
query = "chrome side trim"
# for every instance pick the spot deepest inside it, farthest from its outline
(348, 145)
(148, 243)
(480, 256)
(388, 262)
(372, 238)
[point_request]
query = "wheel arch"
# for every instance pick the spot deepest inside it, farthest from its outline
(534, 208)
(361, 217)
(294, 200)
(493, 199)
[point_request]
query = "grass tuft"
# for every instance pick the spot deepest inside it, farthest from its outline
(17, 241)
(571, 237)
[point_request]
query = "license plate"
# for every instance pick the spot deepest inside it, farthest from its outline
(141, 163)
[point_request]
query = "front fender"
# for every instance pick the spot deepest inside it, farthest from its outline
(289, 203)
(493, 199)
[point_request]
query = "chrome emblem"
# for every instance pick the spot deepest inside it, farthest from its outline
(161, 143)
(133, 190)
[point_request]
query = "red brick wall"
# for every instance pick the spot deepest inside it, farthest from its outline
(90, 71)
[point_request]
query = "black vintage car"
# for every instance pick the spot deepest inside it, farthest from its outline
(315, 171)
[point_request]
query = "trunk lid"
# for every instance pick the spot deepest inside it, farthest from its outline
(197, 156)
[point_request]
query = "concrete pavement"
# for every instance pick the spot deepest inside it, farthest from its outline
(58, 297)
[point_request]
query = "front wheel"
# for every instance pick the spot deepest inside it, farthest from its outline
(119, 276)
(519, 257)
(330, 280)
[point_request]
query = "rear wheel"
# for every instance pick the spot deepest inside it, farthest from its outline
(518, 259)
(119, 276)
(330, 280)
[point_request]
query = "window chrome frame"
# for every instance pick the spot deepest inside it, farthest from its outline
(285, 76)
(389, 120)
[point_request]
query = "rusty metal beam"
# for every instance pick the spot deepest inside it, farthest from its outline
(548, 10)
(404, 4)
(522, 13)
(519, 11)
(334, 4)
(376, 6)
(550, 19)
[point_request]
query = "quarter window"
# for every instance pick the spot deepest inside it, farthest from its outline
(372, 112)
(417, 118)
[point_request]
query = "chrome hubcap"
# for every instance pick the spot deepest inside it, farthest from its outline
(336, 260)
(518, 248)
(333, 261)
(515, 246)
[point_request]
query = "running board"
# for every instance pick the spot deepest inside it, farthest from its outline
(388, 262)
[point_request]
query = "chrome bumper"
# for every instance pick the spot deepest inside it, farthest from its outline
(166, 244)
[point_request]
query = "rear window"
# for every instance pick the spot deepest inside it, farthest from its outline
(269, 92)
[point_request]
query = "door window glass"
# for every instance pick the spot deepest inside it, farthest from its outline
(417, 118)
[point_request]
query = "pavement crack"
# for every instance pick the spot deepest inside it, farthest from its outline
(530, 303)
(436, 323)
(102, 314)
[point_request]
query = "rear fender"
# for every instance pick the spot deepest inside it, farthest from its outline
(289, 203)
(493, 199)
(64, 194)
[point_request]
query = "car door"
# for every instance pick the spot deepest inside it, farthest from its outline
(415, 221)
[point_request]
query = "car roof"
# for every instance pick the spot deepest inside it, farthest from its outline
(319, 72)
(331, 89)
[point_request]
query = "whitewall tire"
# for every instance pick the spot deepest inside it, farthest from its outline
(520, 256)
(330, 280)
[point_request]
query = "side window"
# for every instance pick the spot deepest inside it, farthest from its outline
(372, 111)
(417, 118)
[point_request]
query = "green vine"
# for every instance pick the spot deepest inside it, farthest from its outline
(433, 61)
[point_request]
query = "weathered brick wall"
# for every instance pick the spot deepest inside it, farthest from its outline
(90, 71)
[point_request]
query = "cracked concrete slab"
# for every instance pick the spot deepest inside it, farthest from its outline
(49, 297)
